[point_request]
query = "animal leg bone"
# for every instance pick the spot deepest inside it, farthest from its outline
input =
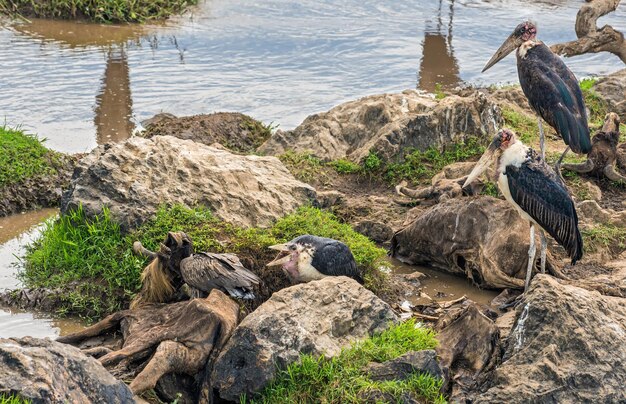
(169, 357)
(544, 247)
(531, 257)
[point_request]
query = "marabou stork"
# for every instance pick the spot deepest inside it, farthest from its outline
(538, 193)
(551, 88)
(176, 264)
(307, 258)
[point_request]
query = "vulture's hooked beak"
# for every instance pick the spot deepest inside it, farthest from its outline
(489, 157)
(283, 257)
(511, 43)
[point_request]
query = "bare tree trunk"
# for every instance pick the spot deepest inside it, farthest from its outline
(592, 39)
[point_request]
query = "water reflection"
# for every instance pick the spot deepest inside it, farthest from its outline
(438, 66)
(114, 105)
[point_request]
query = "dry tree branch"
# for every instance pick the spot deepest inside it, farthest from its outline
(592, 39)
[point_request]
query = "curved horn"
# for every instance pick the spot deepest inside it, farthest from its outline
(613, 175)
(142, 251)
(585, 167)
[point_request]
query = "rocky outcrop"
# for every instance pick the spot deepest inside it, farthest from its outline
(483, 239)
(389, 124)
(234, 130)
(319, 317)
(612, 88)
(134, 177)
(44, 371)
(566, 346)
(41, 191)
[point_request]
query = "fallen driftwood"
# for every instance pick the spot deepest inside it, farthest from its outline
(604, 154)
(156, 340)
(592, 39)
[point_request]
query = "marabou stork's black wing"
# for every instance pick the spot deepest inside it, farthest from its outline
(334, 258)
(554, 93)
(205, 271)
(540, 193)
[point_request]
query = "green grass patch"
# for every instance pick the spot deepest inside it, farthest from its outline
(598, 107)
(344, 166)
(96, 258)
(439, 94)
(606, 237)
(342, 380)
(102, 11)
(13, 399)
(419, 166)
(491, 189)
(304, 166)
(525, 127)
(23, 156)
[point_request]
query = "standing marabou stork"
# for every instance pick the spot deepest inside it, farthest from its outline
(307, 258)
(551, 88)
(529, 184)
(176, 264)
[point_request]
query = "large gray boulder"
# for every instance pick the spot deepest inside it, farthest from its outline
(319, 317)
(45, 371)
(612, 88)
(134, 177)
(566, 346)
(389, 124)
(483, 239)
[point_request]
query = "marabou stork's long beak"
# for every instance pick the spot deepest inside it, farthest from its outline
(488, 158)
(282, 258)
(511, 43)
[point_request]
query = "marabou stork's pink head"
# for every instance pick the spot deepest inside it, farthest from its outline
(502, 141)
(525, 31)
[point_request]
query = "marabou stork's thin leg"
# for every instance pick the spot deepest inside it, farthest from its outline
(542, 139)
(531, 257)
(544, 247)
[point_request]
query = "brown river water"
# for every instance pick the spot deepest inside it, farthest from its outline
(79, 85)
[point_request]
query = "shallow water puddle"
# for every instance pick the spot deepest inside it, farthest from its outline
(16, 231)
(441, 286)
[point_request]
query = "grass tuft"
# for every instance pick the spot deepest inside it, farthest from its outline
(13, 399)
(419, 166)
(605, 237)
(102, 11)
(96, 258)
(23, 156)
(342, 379)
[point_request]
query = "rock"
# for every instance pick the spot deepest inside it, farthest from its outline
(612, 88)
(483, 239)
(468, 341)
(328, 199)
(403, 366)
(389, 124)
(591, 212)
(319, 317)
(375, 231)
(567, 345)
(415, 276)
(42, 371)
(134, 177)
(507, 296)
(234, 130)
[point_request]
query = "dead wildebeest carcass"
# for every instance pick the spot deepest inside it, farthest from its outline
(604, 154)
(156, 340)
(176, 264)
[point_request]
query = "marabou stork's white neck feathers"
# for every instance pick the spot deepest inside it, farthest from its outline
(534, 189)
(307, 258)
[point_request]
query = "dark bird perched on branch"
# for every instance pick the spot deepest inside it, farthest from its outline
(537, 192)
(176, 264)
(307, 258)
(551, 88)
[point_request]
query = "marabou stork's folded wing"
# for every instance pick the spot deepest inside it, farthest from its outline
(336, 259)
(205, 271)
(537, 190)
(553, 91)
